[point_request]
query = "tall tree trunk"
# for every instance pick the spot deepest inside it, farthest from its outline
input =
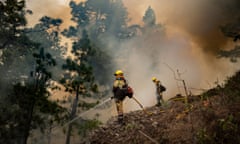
(27, 125)
(72, 115)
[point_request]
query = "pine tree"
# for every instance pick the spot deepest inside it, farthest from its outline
(231, 30)
(79, 78)
(149, 18)
(24, 100)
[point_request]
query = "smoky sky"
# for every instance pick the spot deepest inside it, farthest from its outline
(190, 44)
(53, 8)
(200, 19)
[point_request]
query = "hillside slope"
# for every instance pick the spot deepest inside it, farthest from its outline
(212, 117)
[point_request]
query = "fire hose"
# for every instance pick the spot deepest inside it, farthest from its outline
(141, 105)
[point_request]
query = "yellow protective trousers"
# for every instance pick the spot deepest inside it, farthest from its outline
(119, 106)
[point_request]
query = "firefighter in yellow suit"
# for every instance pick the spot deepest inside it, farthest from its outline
(119, 90)
(159, 90)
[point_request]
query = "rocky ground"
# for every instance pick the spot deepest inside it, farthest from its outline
(210, 118)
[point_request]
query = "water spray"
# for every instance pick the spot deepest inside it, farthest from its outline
(83, 113)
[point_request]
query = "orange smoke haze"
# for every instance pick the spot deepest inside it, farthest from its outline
(190, 44)
(52, 8)
(199, 19)
(192, 39)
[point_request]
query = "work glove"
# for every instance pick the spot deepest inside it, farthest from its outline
(130, 95)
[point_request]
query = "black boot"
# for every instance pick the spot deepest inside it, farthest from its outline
(120, 119)
(158, 104)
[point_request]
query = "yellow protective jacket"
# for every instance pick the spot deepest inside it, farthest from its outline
(120, 88)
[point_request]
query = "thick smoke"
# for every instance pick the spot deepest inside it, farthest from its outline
(200, 20)
(53, 8)
(192, 40)
(190, 44)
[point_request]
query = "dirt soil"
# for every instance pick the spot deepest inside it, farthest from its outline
(173, 123)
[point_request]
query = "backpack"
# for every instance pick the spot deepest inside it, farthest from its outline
(129, 92)
(162, 88)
